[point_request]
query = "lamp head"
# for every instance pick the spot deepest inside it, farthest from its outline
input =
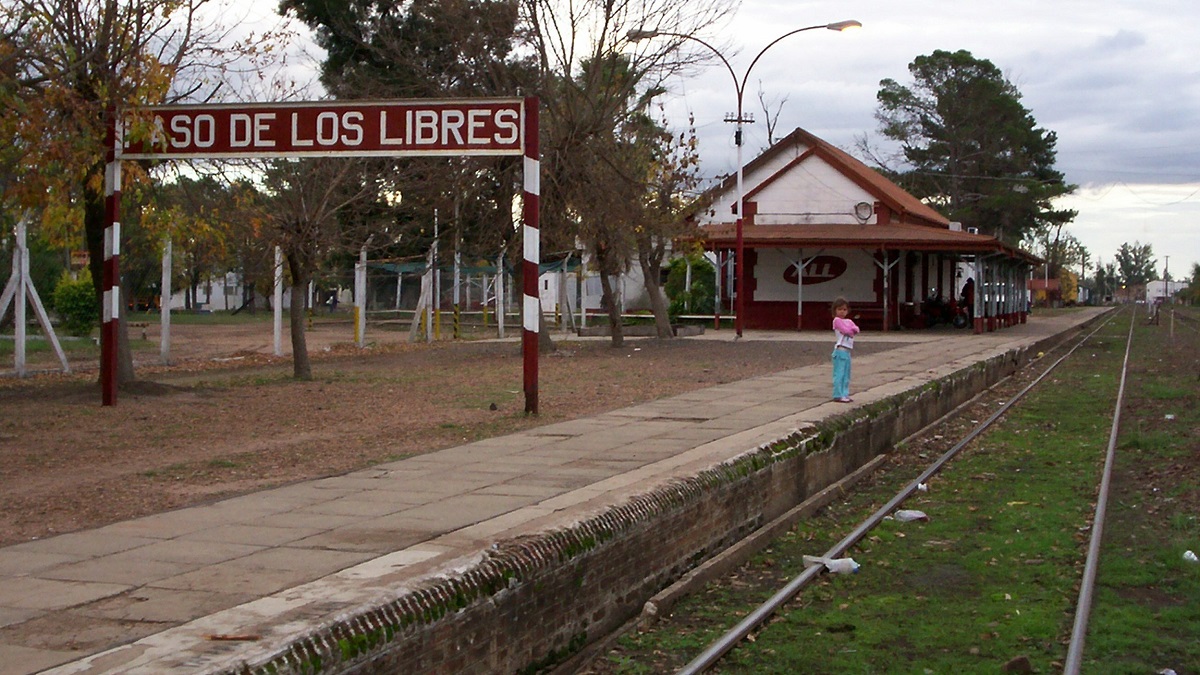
(636, 34)
(844, 25)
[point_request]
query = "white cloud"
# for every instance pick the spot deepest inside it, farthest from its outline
(1117, 81)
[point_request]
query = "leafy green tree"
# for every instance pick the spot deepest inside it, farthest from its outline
(1192, 292)
(1136, 264)
(1061, 250)
(428, 49)
(1106, 282)
(970, 148)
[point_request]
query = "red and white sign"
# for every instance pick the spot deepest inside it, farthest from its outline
(363, 129)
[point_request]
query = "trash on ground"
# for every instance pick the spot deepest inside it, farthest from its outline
(1168, 417)
(922, 487)
(834, 565)
(908, 515)
(1190, 556)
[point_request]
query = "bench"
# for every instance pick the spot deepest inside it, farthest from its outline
(868, 317)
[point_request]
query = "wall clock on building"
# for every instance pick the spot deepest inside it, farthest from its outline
(863, 211)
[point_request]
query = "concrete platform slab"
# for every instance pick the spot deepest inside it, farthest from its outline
(281, 561)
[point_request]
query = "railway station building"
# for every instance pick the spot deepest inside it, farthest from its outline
(855, 234)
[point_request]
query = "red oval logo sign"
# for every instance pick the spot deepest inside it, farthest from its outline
(818, 270)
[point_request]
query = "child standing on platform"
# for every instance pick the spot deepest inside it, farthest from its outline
(844, 331)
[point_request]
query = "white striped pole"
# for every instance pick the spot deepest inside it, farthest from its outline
(532, 244)
(111, 277)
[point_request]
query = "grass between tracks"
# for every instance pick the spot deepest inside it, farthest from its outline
(994, 574)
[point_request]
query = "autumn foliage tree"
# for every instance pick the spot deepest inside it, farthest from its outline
(67, 67)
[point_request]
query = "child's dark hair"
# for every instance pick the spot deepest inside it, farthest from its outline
(840, 302)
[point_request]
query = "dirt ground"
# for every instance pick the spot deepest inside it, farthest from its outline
(227, 418)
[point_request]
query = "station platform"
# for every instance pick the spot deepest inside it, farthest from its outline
(215, 587)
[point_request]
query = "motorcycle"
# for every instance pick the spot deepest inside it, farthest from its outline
(937, 309)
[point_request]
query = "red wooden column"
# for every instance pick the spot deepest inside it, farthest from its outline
(531, 315)
(111, 279)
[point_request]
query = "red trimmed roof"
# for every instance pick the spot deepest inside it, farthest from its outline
(905, 207)
(893, 236)
(914, 225)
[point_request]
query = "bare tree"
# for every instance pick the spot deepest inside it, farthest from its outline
(306, 204)
(594, 86)
(772, 108)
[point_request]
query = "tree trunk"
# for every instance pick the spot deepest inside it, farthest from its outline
(301, 366)
(125, 373)
(545, 340)
(650, 261)
(614, 310)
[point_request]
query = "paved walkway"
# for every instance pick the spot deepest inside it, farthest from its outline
(269, 563)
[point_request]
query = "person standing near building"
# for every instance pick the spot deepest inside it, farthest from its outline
(968, 298)
(844, 330)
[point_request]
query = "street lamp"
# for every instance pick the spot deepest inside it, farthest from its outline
(739, 119)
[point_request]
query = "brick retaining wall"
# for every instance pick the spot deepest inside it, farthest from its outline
(531, 603)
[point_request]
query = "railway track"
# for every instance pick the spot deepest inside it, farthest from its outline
(790, 595)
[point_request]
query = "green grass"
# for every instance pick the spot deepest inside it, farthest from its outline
(1147, 605)
(35, 343)
(992, 576)
(223, 464)
(218, 318)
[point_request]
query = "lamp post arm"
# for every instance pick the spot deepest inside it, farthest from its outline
(719, 55)
(774, 42)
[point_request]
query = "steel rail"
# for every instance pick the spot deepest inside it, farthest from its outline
(733, 636)
(1083, 608)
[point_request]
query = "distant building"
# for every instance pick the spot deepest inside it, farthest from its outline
(819, 224)
(1163, 291)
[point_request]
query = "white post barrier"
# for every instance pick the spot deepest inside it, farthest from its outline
(500, 303)
(278, 301)
(360, 299)
(22, 269)
(164, 306)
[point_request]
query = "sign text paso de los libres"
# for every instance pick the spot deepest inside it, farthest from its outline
(375, 128)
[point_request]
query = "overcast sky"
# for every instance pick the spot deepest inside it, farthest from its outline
(1118, 81)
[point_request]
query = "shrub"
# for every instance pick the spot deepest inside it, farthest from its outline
(76, 304)
(699, 300)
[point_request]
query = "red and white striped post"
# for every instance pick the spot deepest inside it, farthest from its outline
(531, 315)
(111, 278)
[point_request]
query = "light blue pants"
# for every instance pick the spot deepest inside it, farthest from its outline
(841, 373)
